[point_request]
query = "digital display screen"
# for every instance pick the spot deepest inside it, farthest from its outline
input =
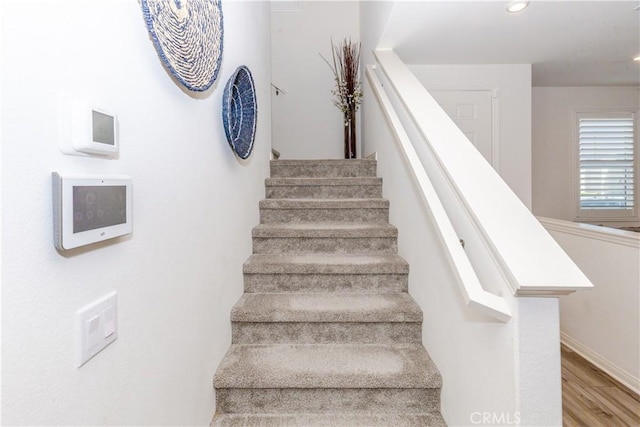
(103, 128)
(98, 207)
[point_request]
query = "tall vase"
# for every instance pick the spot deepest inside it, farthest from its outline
(350, 134)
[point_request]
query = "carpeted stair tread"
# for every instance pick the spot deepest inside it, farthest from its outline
(325, 264)
(323, 168)
(318, 237)
(330, 420)
(324, 187)
(376, 203)
(322, 162)
(281, 281)
(306, 332)
(329, 307)
(331, 366)
(318, 181)
(325, 230)
(373, 210)
(361, 401)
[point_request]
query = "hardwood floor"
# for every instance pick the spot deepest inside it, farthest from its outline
(591, 398)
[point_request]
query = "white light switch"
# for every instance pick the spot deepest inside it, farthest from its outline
(93, 332)
(96, 327)
(109, 316)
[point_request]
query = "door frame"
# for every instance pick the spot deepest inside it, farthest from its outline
(495, 118)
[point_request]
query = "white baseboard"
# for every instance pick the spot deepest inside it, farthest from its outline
(619, 374)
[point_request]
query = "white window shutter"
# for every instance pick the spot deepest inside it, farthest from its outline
(607, 163)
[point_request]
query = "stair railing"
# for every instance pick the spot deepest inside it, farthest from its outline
(526, 256)
(474, 294)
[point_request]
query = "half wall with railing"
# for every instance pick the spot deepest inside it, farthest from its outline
(603, 326)
(491, 306)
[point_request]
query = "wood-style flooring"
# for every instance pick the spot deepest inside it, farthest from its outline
(592, 398)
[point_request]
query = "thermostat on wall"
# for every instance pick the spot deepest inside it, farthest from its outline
(94, 131)
(90, 208)
(85, 130)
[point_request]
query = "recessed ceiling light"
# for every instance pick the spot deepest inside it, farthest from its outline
(516, 6)
(636, 58)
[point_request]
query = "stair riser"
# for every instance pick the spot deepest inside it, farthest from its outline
(349, 169)
(357, 283)
(318, 400)
(338, 245)
(324, 192)
(324, 420)
(326, 333)
(357, 215)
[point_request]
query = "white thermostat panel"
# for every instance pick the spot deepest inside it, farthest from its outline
(86, 130)
(94, 131)
(90, 208)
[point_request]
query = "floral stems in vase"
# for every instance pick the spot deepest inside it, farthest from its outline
(348, 91)
(350, 134)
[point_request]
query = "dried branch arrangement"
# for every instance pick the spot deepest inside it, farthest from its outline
(345, 65)
(348, 91)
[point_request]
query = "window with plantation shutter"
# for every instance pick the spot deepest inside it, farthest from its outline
(607, 165)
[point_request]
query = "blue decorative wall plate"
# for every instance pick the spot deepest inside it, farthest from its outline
(240, 111)
(188, 36)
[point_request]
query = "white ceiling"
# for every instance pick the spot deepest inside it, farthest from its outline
(568, 43)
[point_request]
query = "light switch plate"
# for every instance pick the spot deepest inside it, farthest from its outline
(96, 327)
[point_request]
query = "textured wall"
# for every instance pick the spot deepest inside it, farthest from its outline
(195, 203)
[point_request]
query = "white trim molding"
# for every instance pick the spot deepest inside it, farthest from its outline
(610, 235)
(617, 373)
(495, 130)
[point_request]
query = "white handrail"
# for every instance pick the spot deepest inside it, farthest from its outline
(531, 262)
(474, 295)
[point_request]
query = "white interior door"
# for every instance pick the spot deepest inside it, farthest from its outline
(471, 110)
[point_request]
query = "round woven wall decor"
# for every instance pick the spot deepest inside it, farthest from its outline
(240, 111)
(188, 36)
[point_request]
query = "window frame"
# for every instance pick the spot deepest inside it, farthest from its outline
(617, 215)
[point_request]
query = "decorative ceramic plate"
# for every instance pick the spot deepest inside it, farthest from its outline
(188, 36)
(239, 111)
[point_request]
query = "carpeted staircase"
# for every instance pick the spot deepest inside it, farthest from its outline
(326, 333)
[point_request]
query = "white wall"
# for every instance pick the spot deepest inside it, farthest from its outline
(603, 324)
(373, 19)
(512, 85)
(195, 203)
(306, 124)
(553, 141)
